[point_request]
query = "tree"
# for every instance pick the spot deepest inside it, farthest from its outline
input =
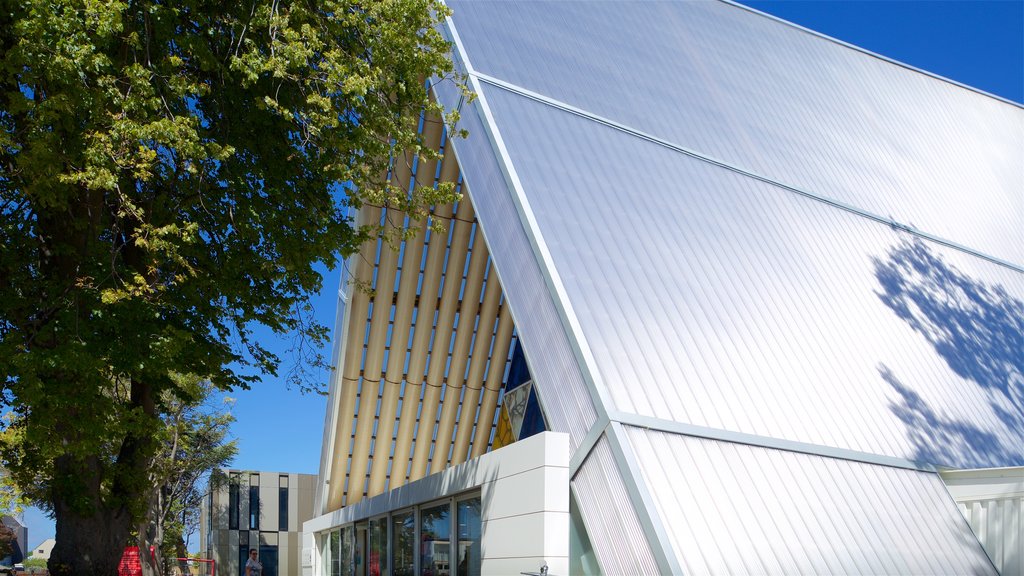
(170, 175)
(193, 444)
(8, 541)
(35, 564)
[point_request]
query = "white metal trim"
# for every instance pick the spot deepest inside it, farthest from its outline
(600, 397)
(341, 322)
(684, 429)
(587, 445)
(646, 511)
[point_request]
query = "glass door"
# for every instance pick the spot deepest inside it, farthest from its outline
(360, 550)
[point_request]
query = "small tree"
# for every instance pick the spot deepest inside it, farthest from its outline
(35, 564)
(193, 444)
(8, 541)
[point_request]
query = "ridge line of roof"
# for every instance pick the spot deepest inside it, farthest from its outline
(888, 221)
(874, 54)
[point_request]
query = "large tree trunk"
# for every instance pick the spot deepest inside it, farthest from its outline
(92, 501)
(90, 542)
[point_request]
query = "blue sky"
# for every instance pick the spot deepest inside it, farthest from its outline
(975, 42)
(979, 43)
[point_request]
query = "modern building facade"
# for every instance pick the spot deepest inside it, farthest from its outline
(761, 285)
(256, 509)
(20, 550)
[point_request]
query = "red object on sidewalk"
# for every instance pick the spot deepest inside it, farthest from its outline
(131, 561)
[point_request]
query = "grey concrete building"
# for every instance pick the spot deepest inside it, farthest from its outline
(256, 509)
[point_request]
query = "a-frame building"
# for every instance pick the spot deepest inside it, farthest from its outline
(759, 287)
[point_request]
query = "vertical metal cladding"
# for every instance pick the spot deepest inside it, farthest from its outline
(737, 509)
(549, 352)
(999, 525)
(992, 502)
(775, 99)
(613, 527)
(712, 298)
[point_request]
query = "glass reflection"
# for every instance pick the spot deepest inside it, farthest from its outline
(469, 537)
(435, 535)
(334, 554)
(345, 557)
(403, 542)
(360, 549)
(378, 560)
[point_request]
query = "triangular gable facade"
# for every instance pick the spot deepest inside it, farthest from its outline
(768, 284)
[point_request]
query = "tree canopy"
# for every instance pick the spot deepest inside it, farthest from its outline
(171, 174)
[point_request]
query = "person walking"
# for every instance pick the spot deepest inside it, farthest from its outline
(253, 567)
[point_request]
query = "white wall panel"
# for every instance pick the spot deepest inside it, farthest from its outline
(736, 509)
(615, 531)
(992, 501)
(533, 473)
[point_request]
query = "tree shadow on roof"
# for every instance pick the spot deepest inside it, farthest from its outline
(941, 440)
(978, 329)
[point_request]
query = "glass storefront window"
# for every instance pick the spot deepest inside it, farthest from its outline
(403, 542)
(469, 537)
(345, 557)
(334, 554)
(409, 543)
(324, 543)
(435, 540)
(378, 560)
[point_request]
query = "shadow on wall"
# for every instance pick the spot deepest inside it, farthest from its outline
(978, 330)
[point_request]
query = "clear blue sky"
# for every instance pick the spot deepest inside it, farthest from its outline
(979, 43)
(975, 42)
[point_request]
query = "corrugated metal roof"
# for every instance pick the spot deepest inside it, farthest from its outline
(708, 220)
(735, 509)
(711, 298)
(613, 527)
(776, 100)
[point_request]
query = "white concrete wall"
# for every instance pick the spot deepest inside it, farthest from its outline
(524, 493)
(992, 501)
(525, 508)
